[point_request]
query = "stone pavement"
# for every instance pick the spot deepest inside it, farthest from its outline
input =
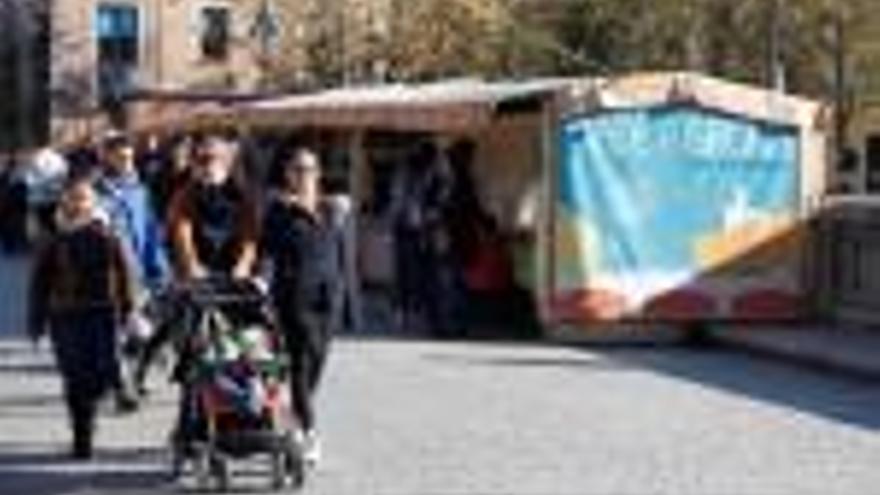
(415, 417)
(852, 351)
(411, 417)
(14, 275)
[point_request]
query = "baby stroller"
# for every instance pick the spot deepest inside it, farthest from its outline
(233, 377)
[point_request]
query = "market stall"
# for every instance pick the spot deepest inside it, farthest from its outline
(678, 197)
(510, 124)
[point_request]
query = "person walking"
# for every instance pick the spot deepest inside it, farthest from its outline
(128, 203)
(80, 290)
(213, 220)
(129, 207)
(305, 249)
(421, 243)
(212, 231)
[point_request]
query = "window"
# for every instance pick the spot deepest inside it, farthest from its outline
(118, 28)
(215, 21)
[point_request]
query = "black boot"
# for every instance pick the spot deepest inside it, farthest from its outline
(82, 447)
(83, 431)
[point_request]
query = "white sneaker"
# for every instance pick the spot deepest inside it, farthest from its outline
(311, 448)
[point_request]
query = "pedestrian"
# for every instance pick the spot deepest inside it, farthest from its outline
(174, 174)
(421, 243)
(151, 159)
(83, 157)
(16, 209)
(80, 291)
(45, 174)
(212, 220)
(212, 230)
(303, 243)
(129, 207)
(465, 219)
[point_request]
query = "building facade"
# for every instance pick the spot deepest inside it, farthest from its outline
(69, 64)
(104, 51)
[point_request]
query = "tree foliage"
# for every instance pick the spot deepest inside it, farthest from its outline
(354, 40)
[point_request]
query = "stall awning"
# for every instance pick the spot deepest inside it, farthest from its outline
(455, 105)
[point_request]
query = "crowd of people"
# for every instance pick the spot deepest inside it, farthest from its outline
(119, 226)
(454, 274)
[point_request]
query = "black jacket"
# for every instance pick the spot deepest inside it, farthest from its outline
(305, 252)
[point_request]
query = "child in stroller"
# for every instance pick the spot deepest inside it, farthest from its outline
(233, 372)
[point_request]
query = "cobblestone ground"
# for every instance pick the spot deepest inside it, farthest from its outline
(412, 417)
(415, 417)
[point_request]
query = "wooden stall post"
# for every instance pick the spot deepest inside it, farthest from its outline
(546, 250)
(357, 170)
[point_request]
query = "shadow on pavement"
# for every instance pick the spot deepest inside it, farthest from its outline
(836, 397)
(28, 368)
(52, 473)
(29, 401)
(826, 395)
(585, 362)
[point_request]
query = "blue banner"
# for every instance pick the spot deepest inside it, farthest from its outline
(662, 208)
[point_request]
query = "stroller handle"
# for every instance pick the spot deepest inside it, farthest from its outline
(220, 290)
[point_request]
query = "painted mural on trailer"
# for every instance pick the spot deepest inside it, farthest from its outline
(676, 213)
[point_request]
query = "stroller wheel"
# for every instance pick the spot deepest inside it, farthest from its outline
(202, 468)
(294, 465)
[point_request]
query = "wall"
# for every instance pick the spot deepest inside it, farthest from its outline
(850, 261)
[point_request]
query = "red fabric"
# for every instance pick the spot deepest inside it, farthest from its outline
(682, 304)
(489, 268)
(767, 304)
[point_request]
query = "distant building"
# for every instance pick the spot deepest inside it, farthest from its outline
(74, 61)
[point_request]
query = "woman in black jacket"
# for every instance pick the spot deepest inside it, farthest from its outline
(304, 246)
(80, 292)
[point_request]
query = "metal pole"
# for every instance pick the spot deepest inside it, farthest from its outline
(840, 118)
(343, 35)
(775, 66)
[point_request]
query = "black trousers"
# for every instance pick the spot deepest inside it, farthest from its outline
(81, 411)
(307, 339)
(85, 345)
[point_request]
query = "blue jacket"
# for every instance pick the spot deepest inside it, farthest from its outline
(127, 202)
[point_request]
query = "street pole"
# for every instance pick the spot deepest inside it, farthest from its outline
(840, 83)
(343, 35)
(775, 77)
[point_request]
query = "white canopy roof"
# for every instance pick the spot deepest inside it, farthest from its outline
(443, 106)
